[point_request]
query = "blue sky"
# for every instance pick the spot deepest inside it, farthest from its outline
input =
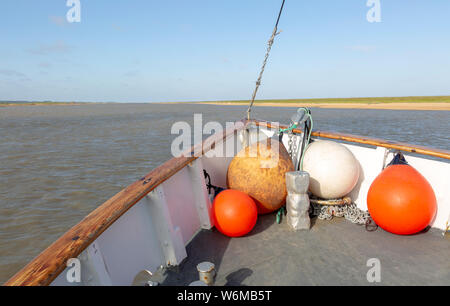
(150, 51)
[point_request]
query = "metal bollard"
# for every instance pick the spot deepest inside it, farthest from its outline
(297, 201)
(207, 272)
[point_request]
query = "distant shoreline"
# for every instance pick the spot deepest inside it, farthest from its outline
(389, 103)
(9, 104)
(445, 106)
(392, 103)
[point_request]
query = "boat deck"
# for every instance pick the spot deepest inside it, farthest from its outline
(332, 253)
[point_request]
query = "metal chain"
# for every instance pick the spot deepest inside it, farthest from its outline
(269, 47)
(350, 212)
(294, 148)
(290, 135)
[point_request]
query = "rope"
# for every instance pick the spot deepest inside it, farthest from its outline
(269, 47)
(210, 186)
(289, 129)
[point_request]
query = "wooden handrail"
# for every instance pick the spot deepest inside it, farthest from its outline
(401, 146)
(405, 147)
(43, 269)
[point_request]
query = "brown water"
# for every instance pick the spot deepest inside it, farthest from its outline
(58, 163)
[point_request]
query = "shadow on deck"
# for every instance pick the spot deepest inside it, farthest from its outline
(331, 253)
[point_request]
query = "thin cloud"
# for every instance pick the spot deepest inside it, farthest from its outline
(58, 20)
(131, 74)
(14, 75)
(59, 47)
(44, 65)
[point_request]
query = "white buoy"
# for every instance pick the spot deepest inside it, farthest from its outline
(333, 169)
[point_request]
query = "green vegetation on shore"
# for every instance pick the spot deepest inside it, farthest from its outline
(424, 99)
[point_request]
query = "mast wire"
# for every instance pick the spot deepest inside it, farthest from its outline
(269, 47)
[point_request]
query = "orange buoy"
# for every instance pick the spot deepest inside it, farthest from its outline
(259, 170)
(401, 201)
(235, 213)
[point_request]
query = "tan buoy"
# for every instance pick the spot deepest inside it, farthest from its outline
(259, 170)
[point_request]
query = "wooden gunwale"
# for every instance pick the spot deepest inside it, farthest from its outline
(405, 147)
(43, 269)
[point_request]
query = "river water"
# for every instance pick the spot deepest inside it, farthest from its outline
(58, 163)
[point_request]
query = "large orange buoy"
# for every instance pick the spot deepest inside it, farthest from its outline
(401, 201)
(235, 213)
(259, 170)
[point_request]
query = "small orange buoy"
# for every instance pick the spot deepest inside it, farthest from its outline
(401, 201)
(235, 213)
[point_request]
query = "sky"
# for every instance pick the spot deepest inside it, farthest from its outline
(203, 50)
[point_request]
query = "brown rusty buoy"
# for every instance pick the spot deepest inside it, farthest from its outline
(259, 170)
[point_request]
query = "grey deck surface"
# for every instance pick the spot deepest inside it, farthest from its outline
(331, 253)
